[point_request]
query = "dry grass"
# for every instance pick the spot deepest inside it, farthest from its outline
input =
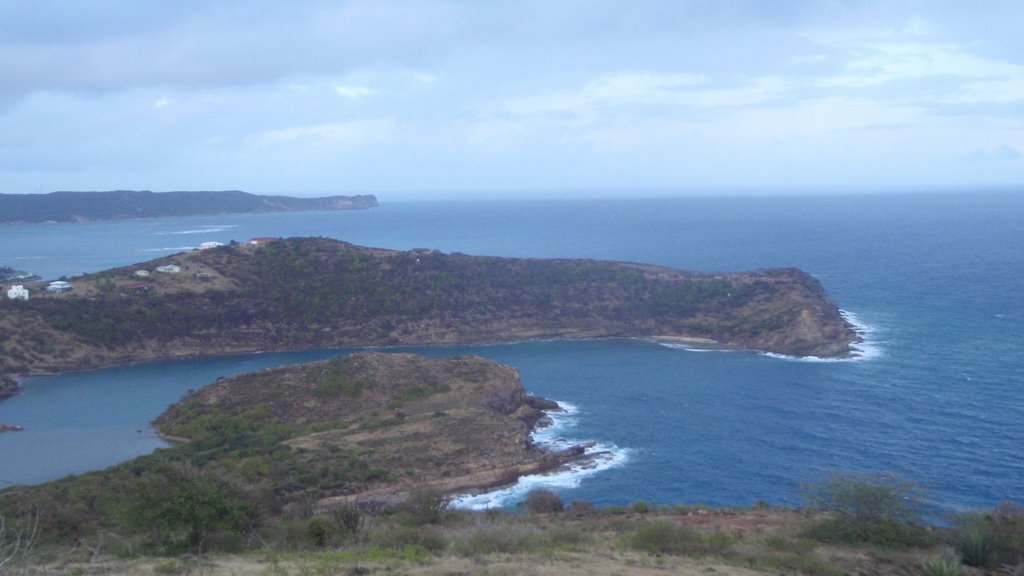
(757, 541)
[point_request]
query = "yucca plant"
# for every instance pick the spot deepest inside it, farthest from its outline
(975, 548)
(941, 567)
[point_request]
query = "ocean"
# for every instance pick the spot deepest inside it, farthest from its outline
(935, 279)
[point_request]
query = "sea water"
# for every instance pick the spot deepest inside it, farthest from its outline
(936, 280)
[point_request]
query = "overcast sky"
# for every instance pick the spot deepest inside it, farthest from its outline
(431, 99)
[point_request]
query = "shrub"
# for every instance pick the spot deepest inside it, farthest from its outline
(582, 508)
(1003, 529)
(941, 567)
(975, 548)
(425, 506)
(541, 501)
(403, 537)
(867, 497)
(348, 518)
(878, 509)
(320, 531)
(179, 504)
(641, 507)
(503, 539)
(661, 537)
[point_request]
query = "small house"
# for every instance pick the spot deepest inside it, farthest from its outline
(142, 273)
(17, 292)
(262, 240)
(139, 287)
(169, 269)
(58, 286)
(208, 245)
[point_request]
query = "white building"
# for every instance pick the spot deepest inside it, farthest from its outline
(142, 273)
(17, 292)
(58, 286)
(169, 269)
(208, 245)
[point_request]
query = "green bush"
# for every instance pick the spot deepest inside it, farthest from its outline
(320, 531)
(405, 537)
(661, 537)
(878, 509)
(181, 505)
(1003, 528)
(941, 567)
(541, 501)
(425, 506)
(883, 533)
(867, 497)
(502, 539)
(348, 518)
(581, 508)
(975, 548)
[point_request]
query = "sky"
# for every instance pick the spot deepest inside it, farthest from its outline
(413, 99)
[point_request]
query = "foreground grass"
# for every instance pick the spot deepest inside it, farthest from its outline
(588, 542)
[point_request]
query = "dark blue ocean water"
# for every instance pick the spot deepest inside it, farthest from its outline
(937, 279)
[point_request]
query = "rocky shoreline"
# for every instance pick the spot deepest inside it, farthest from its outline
(449, 425)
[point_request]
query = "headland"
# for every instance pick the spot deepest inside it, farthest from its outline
(122, 204)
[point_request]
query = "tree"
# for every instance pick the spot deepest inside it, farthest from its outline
(880, 509)
(17, 539)
(180, 503)
(867, 497)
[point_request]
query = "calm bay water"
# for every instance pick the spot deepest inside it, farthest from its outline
(937, 278)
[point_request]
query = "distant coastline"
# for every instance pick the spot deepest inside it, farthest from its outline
(125, 204)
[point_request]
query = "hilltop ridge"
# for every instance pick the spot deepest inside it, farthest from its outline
(315, 293)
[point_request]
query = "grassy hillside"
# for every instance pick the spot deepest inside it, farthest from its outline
(344, 467)
(315, 292)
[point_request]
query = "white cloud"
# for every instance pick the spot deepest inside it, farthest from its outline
(629, 93)
(161, 103)
(351, 133)
(354, 91)
(1003, 152)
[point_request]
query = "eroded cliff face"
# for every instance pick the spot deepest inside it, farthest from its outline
(451, 425)
(314, 292)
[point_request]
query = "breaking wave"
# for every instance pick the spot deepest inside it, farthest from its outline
(201, 230)
(600, 457)
(867, 349)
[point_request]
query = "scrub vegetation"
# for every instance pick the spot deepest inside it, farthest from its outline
(316, 292)
(274, 476)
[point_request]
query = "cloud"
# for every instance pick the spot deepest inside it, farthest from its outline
(354, 91)
(1001, 153)
(334, 134)
(635, 92)
(113, 45)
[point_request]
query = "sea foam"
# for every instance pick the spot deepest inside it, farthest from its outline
(201, 230)
(167, 249)
(600, 457)
(867, 349)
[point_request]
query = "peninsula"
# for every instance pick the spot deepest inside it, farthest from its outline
(122, 204)
(316, 293)
(385, 425)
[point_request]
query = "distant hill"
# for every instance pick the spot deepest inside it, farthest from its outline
(121, 204)
(315, 292)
